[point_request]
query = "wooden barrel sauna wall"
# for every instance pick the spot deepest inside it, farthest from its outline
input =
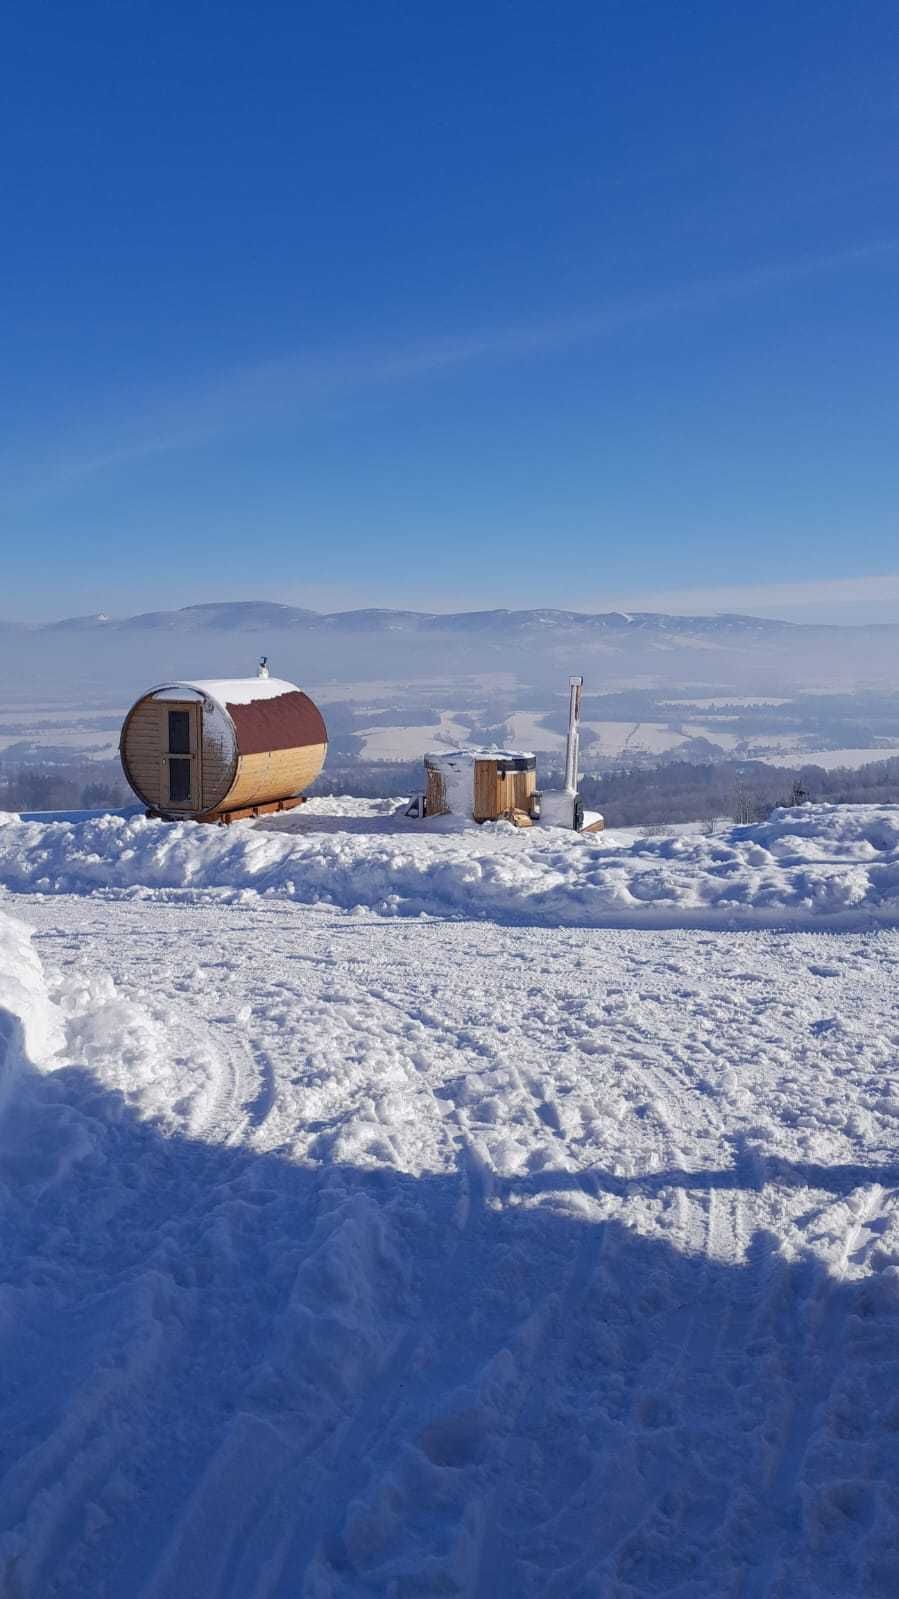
(222, 749)
(485, 784)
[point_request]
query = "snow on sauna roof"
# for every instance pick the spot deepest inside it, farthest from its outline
(228, 690)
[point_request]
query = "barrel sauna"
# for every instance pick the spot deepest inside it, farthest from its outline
(484, 784)
(222, 749)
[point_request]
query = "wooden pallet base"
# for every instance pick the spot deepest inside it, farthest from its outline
(242, 814)
(225, 818)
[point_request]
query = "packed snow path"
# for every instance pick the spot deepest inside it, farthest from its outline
(347, 1256)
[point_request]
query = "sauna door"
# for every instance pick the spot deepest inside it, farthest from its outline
(181, 758)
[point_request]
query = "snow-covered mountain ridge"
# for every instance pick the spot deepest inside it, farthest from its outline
(254, 615)
(268, 616)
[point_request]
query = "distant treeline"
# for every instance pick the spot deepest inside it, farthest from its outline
(678, 791)
(369, 779)
(738, 791)
(93, 785)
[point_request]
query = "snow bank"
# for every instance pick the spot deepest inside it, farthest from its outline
(29, 1024)
(818, 865)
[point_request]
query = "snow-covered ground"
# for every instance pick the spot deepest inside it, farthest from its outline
(425, 1245)
(408, 743)
(817, 865)
(620, 739)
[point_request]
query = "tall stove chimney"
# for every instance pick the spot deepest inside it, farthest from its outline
(573, 747)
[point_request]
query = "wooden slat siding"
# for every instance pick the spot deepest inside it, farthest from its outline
(435, 793)
(142, 747)
(195, 713)
(496, 791)
(514, 790)
(275, 775)
(485, 795)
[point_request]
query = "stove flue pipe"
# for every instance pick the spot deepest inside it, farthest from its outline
(573, 748)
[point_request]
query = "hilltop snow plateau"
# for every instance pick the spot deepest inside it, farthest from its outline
(391, 1209)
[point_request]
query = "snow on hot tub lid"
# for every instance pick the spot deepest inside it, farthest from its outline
(486, 754)
(520, 760)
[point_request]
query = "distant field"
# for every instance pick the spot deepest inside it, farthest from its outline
(390, 719)
(833, 759)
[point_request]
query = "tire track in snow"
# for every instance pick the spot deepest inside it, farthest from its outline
(562, 1321)
(260, 1107)
(60, 1477)
(220, 1116)
(114, 1285)
(202, 1064)
(693, 1350)
(552, 1355)
(822, 1329)
(401, 1403)
(667, 1378)
(376, 1422)
(308, 1489)
(384, 1412)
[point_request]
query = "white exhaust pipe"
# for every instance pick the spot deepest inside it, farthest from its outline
(574, 738)
(562, 807)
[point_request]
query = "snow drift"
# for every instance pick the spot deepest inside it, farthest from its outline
(818, 865)
(29, 1025)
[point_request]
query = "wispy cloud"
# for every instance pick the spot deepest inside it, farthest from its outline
(295, 385)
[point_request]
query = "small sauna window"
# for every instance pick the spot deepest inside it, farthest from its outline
(179, 734)
(179, 778)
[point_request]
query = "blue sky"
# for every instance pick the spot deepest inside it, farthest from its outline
(375, 303)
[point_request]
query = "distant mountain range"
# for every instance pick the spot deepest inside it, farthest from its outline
(264, 616)
(604, 630)
(93, 656)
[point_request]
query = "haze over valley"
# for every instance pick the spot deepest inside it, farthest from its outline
(395, 683)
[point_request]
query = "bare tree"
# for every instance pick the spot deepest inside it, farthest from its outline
(744, 805)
